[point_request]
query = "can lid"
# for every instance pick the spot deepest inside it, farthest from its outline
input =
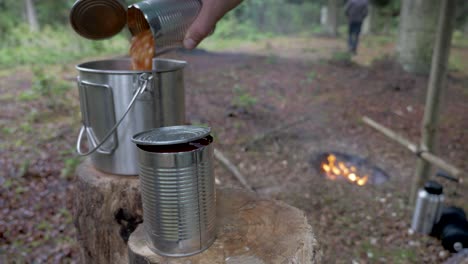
(433, 187)
(98, 19)
(170, 135)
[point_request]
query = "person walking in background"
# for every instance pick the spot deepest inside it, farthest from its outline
(356, 12)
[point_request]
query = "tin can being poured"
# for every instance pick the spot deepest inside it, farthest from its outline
(168, 20)
(98, 19)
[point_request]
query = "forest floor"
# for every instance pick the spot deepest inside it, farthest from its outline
(242, 94)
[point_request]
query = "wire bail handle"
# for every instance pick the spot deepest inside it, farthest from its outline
(145, 78)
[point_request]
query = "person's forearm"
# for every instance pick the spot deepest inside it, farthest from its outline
(204, 24)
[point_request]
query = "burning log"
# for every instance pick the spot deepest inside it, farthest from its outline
(429, 157)
(335, 168)
(351, 168)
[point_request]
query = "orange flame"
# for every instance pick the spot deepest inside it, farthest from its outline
(334, 170)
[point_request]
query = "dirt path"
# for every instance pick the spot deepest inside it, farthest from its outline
(316, 48)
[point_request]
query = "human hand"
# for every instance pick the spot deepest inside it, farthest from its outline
(204, 24)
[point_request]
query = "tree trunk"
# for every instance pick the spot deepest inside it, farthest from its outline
(107, 209)
(435, 90)
(372, 21)
(251, 230)
(31, 15)
(465, 27)
(367, 24)
(418, 25)
(324, 16)
(332, 18)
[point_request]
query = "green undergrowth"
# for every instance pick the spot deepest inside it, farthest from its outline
(53, 45)
(261, 19)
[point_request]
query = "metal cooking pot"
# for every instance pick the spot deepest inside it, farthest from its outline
(117, 102)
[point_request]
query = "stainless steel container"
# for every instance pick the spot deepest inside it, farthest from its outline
(168, 20)
(428, 208)
(177, 188)
(117, 102)
(98, 19)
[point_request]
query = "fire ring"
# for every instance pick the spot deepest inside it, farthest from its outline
(354, 169)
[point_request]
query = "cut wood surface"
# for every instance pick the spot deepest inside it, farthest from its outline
(107, 209)
(251, 230)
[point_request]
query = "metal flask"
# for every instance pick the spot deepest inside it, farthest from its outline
(177, 189)
(168, 20)
(98, 19)
(117, 102)
(429, 205)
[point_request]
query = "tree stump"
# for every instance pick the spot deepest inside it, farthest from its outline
(251, 230)
(107, 209)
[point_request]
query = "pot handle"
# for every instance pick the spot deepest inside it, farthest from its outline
(145, 78)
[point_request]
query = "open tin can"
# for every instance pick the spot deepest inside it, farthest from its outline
(178, 189)
(98, 19)
(168, 20)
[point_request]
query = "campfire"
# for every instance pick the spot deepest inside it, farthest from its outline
(338, 166)
(335, 168)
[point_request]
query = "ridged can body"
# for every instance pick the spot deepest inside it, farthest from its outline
(168, 20)
(427, 212)
(178, 193)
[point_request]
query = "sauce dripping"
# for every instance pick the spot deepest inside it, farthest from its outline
(142, 51)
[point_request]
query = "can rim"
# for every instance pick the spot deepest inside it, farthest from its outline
(73, 17)
(186, 134)
(82, 67)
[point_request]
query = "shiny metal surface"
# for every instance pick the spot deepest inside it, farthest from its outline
(178, 193)
(98, 19)
(163, 104)
(427, 212)
(95, 145)
(167, 19)
(171, 135)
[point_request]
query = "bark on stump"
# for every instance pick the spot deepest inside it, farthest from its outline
(251, 230)
(107, 209)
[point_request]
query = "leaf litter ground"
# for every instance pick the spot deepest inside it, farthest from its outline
(243, 97)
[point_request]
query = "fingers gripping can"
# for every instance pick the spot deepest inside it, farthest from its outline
(168, 20)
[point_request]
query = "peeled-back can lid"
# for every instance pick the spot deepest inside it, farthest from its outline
(171, 135)
(433, 187)
(98, 19)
